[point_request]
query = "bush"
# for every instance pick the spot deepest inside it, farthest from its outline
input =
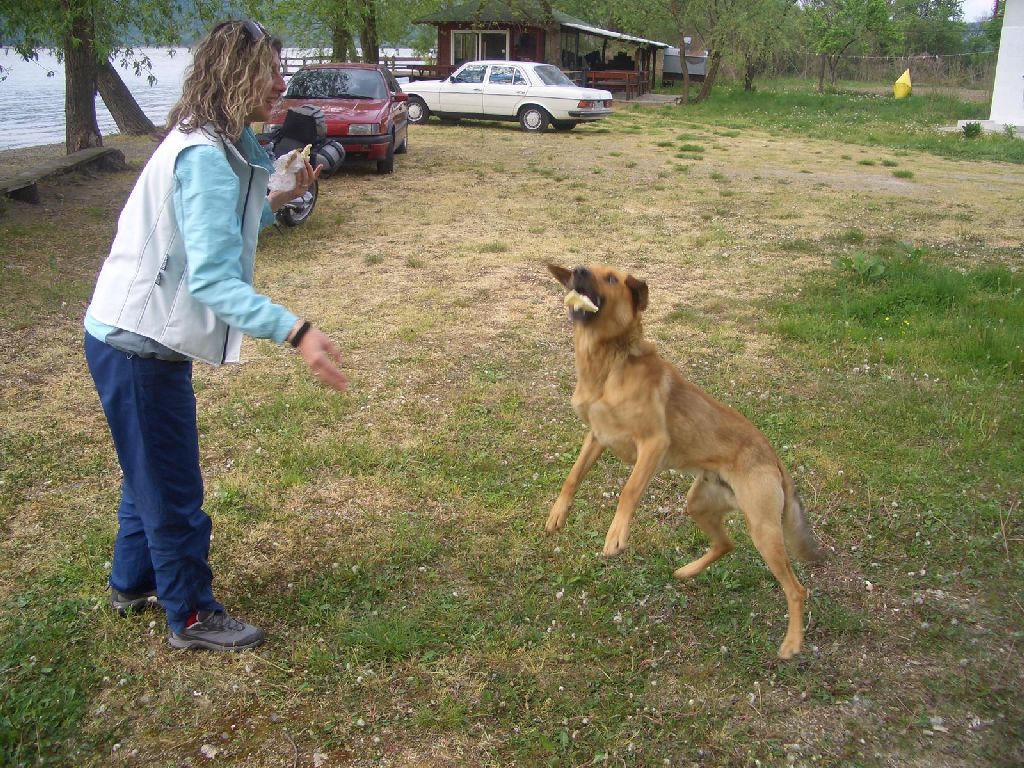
(972, 130)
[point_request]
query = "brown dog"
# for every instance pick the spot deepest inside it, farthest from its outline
(642, 409)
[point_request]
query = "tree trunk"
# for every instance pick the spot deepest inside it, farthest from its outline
(342, 44)
(127, 113)
(368, 37)
(685, 68)
(553, 45)
(821, 75)
(749, 71)
(709, 76)
(553, 38)
(81, 128)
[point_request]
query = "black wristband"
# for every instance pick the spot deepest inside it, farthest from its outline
(297, 336)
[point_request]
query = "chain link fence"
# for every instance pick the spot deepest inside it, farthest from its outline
(968, 70)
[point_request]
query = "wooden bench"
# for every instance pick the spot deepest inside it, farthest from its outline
(615, 80)
(22, 185)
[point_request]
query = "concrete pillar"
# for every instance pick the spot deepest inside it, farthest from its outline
(1008, 90)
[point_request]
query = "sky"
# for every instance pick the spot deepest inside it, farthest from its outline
(977, 9)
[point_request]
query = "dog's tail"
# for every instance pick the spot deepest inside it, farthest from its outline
(797, 531)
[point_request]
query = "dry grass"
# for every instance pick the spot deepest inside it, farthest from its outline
(391, 539)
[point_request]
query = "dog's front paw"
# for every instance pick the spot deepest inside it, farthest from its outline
(556, 520)
(615, 541)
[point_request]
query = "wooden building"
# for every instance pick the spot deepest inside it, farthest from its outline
(521, 30)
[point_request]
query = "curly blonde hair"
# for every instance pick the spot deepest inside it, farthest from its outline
(227, 80)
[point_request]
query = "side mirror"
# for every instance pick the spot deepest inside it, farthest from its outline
(401, 96)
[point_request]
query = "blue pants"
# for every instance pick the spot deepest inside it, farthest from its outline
(163, 537)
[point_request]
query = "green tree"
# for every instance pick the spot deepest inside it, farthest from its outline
(837, 27)
(992, 27)
(86, 34)
(931, 26)
(765, 33)
(338, 24)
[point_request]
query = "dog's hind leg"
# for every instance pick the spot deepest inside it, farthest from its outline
(589, 453)
(708, 502)
(761, 499)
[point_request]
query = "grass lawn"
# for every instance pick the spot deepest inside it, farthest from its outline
(830, 266)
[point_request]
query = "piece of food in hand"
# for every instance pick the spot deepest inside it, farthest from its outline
(287, 168)
(575, 300)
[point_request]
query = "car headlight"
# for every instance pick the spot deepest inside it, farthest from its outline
(362, 129)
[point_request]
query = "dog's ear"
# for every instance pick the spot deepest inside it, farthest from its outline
(561, 274)
(639, 290)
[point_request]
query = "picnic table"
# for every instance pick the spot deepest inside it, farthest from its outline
(633, 83)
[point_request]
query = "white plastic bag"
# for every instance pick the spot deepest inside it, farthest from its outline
(287, 167)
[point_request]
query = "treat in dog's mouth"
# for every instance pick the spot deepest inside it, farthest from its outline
(575, 300)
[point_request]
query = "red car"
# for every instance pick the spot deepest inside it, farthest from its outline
(363, 105)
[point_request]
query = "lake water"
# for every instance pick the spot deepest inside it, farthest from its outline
(32, 101)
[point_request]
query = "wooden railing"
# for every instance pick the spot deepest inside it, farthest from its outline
(400, 66)
(291, 64)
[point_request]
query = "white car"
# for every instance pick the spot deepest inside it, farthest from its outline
(537, 95)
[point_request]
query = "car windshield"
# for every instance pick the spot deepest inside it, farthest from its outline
(552, 75)
(337, 84)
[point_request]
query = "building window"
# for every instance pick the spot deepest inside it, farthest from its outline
(468, 45)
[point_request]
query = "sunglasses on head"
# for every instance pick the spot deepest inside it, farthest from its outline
(254, 30)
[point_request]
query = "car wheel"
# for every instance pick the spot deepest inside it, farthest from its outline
(560, 126)
(387, 164)
(533, 119)
(294, 213)
(418, 111)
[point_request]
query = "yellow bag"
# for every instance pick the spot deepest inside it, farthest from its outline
(901, 88)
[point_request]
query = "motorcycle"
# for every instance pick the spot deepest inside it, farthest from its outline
(304, 125)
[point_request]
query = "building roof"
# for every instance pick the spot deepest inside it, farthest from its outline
(523, 12)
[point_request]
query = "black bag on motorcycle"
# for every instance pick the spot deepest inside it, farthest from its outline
(302, 125)
(307, 125)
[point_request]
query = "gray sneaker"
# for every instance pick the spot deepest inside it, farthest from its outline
(217, 631)
(125, 602)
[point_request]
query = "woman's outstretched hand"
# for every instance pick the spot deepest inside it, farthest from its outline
(323, 358)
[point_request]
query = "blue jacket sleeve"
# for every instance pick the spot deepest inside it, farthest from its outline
(205, 198)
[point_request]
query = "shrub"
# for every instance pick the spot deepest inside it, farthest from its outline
(972, 130)
(867, 266)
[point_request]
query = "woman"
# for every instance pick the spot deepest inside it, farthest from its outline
(177, 287)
